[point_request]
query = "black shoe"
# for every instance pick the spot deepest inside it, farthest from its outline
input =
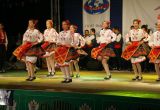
(50, 74)
(107, 77)
(158, 80)
(32, 78)
(140, 78)
(53, 73)
(64, 81)
(69, 80)
(28, 79)
(77, 75)
(135, 78)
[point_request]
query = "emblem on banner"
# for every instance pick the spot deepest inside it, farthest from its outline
(96, 6)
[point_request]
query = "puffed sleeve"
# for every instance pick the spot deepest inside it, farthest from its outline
(146, 36)
(127, 37)
(40, 37)
(25, 37)
(56, 35)
(82, 40)
(58, 40)
(151, 40)
(113, 35)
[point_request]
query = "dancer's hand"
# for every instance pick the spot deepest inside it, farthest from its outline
(35, 43)
(141, 42)
(129, 43)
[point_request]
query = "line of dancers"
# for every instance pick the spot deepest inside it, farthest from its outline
(66, 47)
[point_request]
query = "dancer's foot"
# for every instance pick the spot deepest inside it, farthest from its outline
(28, 78)
(107, 77)
(72, 75)
(69, 81)
(64, 81)
(32, 78)
(140, 78)
(50, 74)
(77, 75)
(135, 78)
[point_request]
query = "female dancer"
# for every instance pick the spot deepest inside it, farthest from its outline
(62, 51)
(30, 49)
(77, 42)
(50, 37)
(104, 50)
(154, 55)
(136, 49)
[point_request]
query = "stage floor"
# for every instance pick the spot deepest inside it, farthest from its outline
(91, 82)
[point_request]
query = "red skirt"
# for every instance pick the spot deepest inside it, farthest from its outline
(48, 47)
(134, 50)
(103, 51)
(72, 54)
(21, 50)
(61, 53)
(65, 54)
(35, 50)
(154, 54)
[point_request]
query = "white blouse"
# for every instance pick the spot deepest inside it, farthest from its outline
(77, 40)
(32, 36)
(64, 38)
(136, 35)
(50, 35)
(154, 39)
(107, 36)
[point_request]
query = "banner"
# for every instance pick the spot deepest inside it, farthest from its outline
(145, 10)
(94, 13)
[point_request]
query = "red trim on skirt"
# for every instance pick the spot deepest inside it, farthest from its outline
(154, 54)
(22, 49)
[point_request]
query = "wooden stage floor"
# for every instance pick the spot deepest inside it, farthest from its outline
(91, 82)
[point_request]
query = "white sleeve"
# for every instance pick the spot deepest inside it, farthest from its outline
(114, 36)
(59, 38)
(146, 35)
(82, 41)
(25, 38)
(40, 37)
(118, 37)
(127, 37)
(56, 35)
(151, 40)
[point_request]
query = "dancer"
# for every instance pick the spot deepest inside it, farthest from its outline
(136, 50)
(104, 51)
(62, 51)
(50, 37)
(154, 55)
(30, 49)
(3, 48)
(77, 43)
